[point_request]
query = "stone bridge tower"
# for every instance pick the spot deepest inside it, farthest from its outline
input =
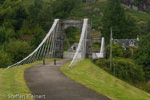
(60, 35)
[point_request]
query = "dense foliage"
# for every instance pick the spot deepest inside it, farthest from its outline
(72, 36)
(118, 51)
(142, 54)
(124, 69)
(18, 49)
(23, 25)
(5, 59)
(114, 17)
(63, 8)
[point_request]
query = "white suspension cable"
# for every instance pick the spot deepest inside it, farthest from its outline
(28, 58)
(48, 45)
(81, 45)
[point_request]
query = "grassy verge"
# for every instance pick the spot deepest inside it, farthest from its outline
(12, 81)
(93, 77)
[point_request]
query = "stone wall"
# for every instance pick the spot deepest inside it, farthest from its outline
(141, 5)
(89, 0)
(60, 31)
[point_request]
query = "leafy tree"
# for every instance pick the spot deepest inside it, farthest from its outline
(143, 28)
(19, 17)
(1, 1)
(148, 26)
(26, 28)
(18, 49)
(116, 49)
(38, 35)
(46, 17)
(122, 26)
(127, 53)
(125, 69)
(40, 14)
(72, 34)
(34, 10)
(5, 35)
(141, 55)
(62, 8)
(12, 14)
(5, 59)
(2, 35)
(114, 17)
(131, 28)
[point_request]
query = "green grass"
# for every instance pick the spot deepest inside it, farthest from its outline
(94, 16)
(93, 77)
(139, 16)
(12, 80)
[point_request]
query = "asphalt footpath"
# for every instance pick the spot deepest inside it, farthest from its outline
(47, 82)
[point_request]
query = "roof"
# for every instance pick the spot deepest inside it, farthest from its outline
(71, 49)
(74, 45)
(126, 42)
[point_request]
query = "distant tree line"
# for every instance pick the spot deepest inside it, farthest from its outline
(23, 26)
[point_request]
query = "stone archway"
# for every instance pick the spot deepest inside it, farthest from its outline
(64, 24)
(71, 36)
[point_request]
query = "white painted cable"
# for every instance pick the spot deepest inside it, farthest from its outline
(54, 24)
(48, 50)
(80, 43)
(49, 40)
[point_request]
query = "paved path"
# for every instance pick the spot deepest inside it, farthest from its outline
(50, 81)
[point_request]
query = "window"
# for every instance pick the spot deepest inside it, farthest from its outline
(74, 48)
(131, 43)
(115, 41)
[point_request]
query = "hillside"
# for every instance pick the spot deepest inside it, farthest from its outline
(93, 77)
(94, 11)
(142, 5)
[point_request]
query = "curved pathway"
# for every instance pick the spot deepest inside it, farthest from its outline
(48, 80)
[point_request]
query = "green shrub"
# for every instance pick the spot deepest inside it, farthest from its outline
(127, 53)
(5, 59)
(18, 50)
(72, 36)
(127, 70)
(116, 49)
(104, 64)
(142, 54)
(136, 3)
(96, 44)
(124, 69)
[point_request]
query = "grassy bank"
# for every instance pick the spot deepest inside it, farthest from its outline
(93, 77)
(12, 81)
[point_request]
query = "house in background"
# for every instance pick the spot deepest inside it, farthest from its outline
(71, 52)
(73, 48)
(131, 43)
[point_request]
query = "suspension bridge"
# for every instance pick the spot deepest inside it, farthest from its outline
(52, 45)
(48, 79)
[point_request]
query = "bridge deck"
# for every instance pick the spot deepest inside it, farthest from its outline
(50, 81)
